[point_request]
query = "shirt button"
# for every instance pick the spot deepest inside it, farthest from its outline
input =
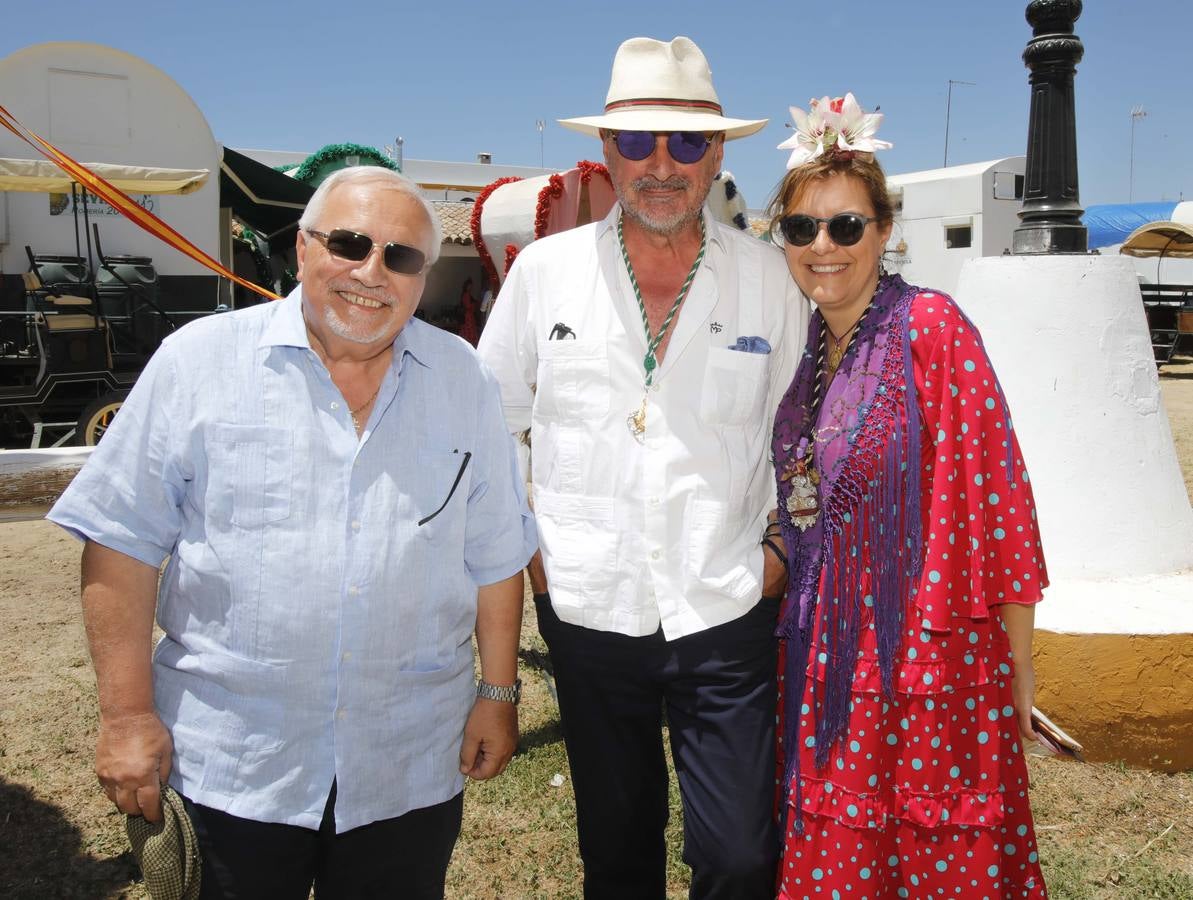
(353, 591)
(656, 554)
(347, 656)
(355, 525)
(654, 501)
(335, 404)
(341, 714)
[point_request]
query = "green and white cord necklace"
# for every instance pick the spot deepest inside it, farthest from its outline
(636, 421)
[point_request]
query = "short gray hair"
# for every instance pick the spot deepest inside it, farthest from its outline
(373, 175)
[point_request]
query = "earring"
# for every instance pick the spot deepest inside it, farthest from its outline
(882, 272)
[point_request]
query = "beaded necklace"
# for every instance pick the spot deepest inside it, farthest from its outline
(636, 421)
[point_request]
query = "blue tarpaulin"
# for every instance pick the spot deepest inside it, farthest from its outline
(1111, 223)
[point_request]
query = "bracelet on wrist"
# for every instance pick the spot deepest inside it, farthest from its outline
(504, 693)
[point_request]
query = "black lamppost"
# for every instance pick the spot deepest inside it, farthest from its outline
(1051, 214)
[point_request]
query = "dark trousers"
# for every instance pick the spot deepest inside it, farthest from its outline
(718, 691)
(403, 857)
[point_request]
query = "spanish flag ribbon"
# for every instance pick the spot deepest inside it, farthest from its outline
(124, 204)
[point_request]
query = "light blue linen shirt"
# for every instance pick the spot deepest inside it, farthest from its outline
(314, 629)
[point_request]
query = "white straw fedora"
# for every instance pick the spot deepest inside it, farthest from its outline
(660, 86)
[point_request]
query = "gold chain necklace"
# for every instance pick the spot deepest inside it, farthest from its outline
(353, 412)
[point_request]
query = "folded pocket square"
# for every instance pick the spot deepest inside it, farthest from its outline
(751, 344)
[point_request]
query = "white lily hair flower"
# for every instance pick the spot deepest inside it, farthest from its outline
(837, 125)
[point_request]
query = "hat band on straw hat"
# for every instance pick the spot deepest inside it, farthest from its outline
(667, 102)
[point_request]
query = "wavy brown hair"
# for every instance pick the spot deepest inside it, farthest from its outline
(862, 166)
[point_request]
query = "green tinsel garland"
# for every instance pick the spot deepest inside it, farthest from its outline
(332, 152)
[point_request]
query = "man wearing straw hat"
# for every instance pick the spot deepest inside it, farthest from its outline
(646, 354)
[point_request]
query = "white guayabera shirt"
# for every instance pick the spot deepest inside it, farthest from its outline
(664, 531)
(320, 596)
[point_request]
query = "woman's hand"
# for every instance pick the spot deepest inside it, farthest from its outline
(1020, 619)
(1023, 690)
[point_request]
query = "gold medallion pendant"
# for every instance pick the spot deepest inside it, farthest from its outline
(834, 357)
(636, 422)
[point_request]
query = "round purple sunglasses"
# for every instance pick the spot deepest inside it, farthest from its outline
(685, 147)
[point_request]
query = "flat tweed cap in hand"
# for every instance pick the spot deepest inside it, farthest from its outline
(167, 851)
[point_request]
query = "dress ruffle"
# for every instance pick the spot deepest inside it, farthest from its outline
(965, 806)
(924, 676)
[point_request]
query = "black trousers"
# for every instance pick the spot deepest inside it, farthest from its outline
(718, 691)
(403, 857)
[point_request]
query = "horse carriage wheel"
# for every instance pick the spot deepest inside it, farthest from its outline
(97, 417)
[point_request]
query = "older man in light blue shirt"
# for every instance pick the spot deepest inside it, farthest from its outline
(337, 496)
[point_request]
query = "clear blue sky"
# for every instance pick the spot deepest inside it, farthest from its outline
(457, 78)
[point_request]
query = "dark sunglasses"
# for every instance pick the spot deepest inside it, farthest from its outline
(347, 244)
(685, 147)
(845, 229)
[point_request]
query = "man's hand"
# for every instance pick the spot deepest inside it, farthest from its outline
(774, 574)
(774, 569)
(537, 573)
(134, 748)
(132, 758)
(490, 737)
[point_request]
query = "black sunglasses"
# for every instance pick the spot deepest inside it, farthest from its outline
(685, 147)
(347, 244)
(845, 229)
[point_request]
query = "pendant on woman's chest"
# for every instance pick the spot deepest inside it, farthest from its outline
(803, 503)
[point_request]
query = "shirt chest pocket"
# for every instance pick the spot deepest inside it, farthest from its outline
(734, 387)
(249, 474)
(573, 380)
(440, 494)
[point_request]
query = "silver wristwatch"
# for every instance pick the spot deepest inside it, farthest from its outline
(506, 693)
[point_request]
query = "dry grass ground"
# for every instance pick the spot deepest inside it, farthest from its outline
(1104, 830)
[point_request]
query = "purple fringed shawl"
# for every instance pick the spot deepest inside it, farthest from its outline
(865, 546)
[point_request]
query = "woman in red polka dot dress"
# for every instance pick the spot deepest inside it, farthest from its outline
(914, 562)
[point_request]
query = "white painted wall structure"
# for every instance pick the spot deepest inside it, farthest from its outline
(984, 196)
(99, 104)
(1068, 338)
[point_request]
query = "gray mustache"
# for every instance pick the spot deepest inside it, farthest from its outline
(650, 183)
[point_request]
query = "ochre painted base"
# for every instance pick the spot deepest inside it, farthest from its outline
(1124, 697)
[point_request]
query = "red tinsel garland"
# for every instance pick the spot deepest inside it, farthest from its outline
(475, 227)
(588, 169)
(553, 191)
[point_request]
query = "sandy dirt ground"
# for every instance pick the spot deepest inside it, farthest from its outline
(59, 836)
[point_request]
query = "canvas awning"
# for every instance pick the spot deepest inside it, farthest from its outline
(44, 177)
(267, 200)
(1166, 239)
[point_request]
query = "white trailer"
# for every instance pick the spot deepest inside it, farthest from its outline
(944, 217)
